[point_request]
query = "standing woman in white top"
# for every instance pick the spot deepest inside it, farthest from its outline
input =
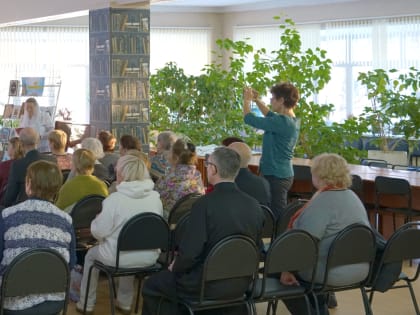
(134, 195)
(33, 117)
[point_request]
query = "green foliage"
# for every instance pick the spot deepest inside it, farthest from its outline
(394, 105)
(208, 107)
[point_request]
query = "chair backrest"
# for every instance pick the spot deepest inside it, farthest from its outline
(179, 231)
(85, 210)
(357, 185)
(233, 257)
(360, 239)
(269, 223)
(144, 231)
(182, 206)
(287, 213)
(302, 186)
(295, 250)
(36, 271)
(392, 192)
(374, 162)
(403, 244)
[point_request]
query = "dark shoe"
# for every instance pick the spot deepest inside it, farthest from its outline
(331, 300)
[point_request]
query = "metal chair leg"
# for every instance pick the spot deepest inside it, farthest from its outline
(413, 297)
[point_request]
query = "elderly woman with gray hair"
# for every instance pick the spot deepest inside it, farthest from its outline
(134, 195)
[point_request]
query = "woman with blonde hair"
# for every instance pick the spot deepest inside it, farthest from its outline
(332, 208)
(183, 177)
(57, 140)
(134, 195)
(83, 183)
(14, 151)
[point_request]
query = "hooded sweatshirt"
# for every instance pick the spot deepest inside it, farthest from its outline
(130, 199)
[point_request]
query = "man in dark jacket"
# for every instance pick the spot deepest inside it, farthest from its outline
(15, 189)
(223, 212)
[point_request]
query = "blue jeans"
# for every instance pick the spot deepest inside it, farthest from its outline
(279, 188)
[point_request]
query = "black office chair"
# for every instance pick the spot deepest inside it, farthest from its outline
(357, 186)
(375, 163)
(36, 271)
(234, 258)
(362, 242)
(176, 235)
(145, 231)
(393, 195)
(269, 228)
(83, 213)
(181, 207)
(283, 256)
(402, 245)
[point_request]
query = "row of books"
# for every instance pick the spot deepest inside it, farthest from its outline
(130, 90)
(100, 111)
(121, 21)
(130, 44)
(139, 131)
(134, 113)
(137, 68)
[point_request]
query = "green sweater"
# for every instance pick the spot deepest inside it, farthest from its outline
(78, 187)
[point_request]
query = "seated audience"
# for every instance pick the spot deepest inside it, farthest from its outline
(223, 212)
(36, 223)
(83, 183)
(134, 195)
(183, 177)
(160, 162)
(109, 160)
(57, 140)
(14, 152)
(15, 188)
(255, 186)
(332, 208)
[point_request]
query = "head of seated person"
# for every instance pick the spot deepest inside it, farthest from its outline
(83, 162)
(29, 138)
(57, 140)
(165, 140)
(244, 152)
(15, 149)
(43, 180)
(330, 171)
(227, 141)
(183, 153)
(132, 144)
(95, 146)
(108, 141)
(131, 168)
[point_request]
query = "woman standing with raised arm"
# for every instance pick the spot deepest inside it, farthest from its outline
(281, 130)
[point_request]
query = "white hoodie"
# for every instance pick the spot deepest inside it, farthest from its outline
(130, 199)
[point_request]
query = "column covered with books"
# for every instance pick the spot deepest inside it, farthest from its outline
(119, 71)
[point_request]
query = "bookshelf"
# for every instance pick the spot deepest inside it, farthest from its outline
(119, 71)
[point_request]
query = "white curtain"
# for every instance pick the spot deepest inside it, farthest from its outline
(59, 54)
(189, 48)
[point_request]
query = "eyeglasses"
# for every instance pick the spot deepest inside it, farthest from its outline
(207, 163)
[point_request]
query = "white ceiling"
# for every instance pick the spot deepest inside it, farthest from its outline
(233, 5)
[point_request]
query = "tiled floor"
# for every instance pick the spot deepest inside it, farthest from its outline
(393, 302)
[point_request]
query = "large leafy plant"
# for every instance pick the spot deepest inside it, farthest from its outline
(208, 107)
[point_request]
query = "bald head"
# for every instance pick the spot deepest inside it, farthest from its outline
(244, 152)
(29, 138)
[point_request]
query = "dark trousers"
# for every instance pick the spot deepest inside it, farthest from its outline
(164, 284)
(279, 188)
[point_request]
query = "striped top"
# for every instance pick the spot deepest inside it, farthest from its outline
(34, 223)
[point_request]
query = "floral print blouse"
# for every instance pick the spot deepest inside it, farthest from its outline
(180, 181)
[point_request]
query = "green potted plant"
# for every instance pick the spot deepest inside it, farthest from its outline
(393, 114)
